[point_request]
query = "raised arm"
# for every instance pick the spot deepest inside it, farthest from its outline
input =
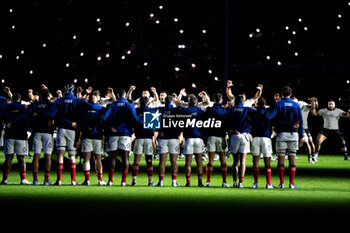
(258, 93)
(229, 91)
(314, 106)
(129, 94)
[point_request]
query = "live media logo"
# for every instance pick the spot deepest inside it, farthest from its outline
(153, 121)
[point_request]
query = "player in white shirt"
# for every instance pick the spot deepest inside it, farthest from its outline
(331, 116)
(307, 137)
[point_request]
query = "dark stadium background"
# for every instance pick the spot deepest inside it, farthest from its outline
(39, 38)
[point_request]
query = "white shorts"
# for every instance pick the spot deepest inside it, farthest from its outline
(239, 143)
(11, 146)
(65, 138)
(216, 144)
(171, 146)
(119, 142)
(193, 146)
(92, 145)
(143, 146)
(42, 141)
(287, 141)
(262, 145)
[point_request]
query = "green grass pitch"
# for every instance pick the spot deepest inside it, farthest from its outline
(324, 187)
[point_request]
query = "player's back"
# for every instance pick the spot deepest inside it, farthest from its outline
(261, 126)
(39, 121)
(121, 117)
(237, 118)
(287, 114)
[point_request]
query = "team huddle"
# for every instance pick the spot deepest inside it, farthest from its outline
(114, 124)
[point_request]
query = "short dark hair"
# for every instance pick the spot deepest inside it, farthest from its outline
(169, 99)
(143, 101)
(45, 93)
(261, 102)
(192, 100)
(16, 97)
(121, 93)
(238, 99)
(217, 97)
(286, 91)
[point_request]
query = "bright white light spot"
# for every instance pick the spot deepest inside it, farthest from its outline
(176, 19)
(22, 51)
(128, 52)
(268, 57)
(296, 54)
(107, 55)
(81, 54)
(157, 21)
(160, 7)
(127, 24)
(67, 64)
(17, 57)
(98, 20)
(99, 29)
(338, 27)
(287, 28)
(339, 16)
(123, 57)
(251, 35)
(151, 15)
(86, 80)
(216, 78)
(289, 41)
(30, 72)
(99, 58)
(2, 80)
(300, 20)
(257, 30)
(177, 69)
(347, 81)
(44, 45)
(210, 71)
(145, 64)
(293, 32)
(279, 63)
(10, 10)
(193, 65)
(75, 80)
(74, 37)
(204, 31)
(305, 28)
(194, 85)
(13, 27)
(181, 31)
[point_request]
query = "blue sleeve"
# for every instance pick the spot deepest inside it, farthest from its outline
(24, 116)
(51, 113)
(134, 115)
(272, 112)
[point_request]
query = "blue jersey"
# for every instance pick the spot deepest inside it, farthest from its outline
(120, 118)
(41, 123)
(67, 109)
(261, 126)
(88, 124)
(171, 132)
(287, 115)
(196, 113)
(216, 112)
(15, 115)
(140, 132)
(237, 118)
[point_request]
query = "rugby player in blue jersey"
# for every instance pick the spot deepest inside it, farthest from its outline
(121, 119)
(288, 122)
